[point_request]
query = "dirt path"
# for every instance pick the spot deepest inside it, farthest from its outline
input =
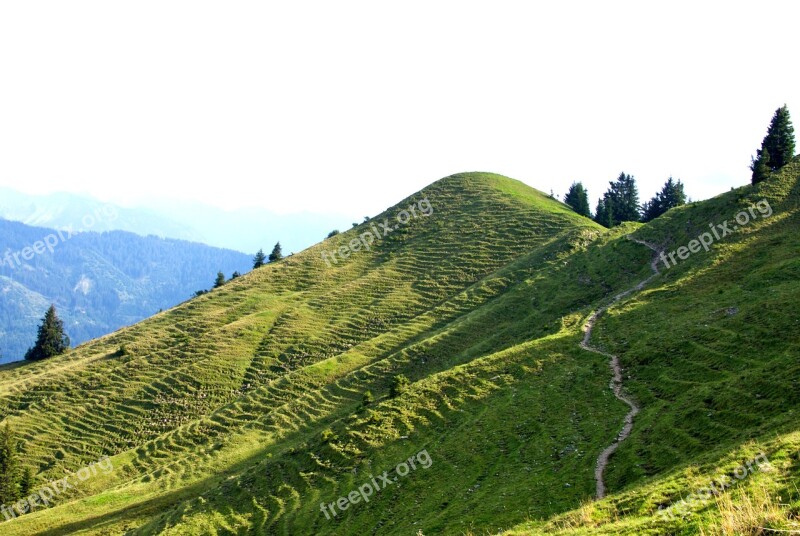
(616, 379)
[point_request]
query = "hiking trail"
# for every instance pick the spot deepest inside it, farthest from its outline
(616, 369)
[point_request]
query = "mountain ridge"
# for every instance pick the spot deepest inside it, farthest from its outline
(246, 230)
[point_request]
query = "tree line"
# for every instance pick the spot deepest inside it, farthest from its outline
(620, 202)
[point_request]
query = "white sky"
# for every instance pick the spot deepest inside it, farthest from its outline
(346, 107)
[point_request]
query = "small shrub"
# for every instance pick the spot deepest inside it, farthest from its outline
(399, 384)
(367, 399)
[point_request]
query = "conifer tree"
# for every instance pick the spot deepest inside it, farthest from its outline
(601, 214)
(626, 199)
(578, 199)
(761, 166)
(619, 203)
(51, 339)
(259, 260)
(779, 141)
(25, 482)
(670, 196)
(220, 280)
(9, 473)
(276, 254)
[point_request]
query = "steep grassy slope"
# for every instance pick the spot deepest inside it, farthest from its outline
(243, 410)
(713, 355)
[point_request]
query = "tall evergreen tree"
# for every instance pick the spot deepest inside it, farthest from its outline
(779, 141)
(760, 166)
(601, 213)
(578, 199)
(670, 196)
(9, 471)
(25, 481)
(673, 194)
(259, 260)
(626, 199)
(276, 254)
(220, 280)
(619, 203)
(51, 339)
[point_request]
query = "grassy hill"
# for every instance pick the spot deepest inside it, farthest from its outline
(244, 411)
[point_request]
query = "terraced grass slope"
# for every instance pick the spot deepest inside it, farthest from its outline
(244, 410)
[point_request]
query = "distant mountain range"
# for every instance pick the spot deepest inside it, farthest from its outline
(246, 230)
(99, 282)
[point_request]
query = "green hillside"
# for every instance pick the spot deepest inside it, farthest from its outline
(243, 411)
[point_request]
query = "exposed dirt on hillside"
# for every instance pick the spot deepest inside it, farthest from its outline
(616, 369)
